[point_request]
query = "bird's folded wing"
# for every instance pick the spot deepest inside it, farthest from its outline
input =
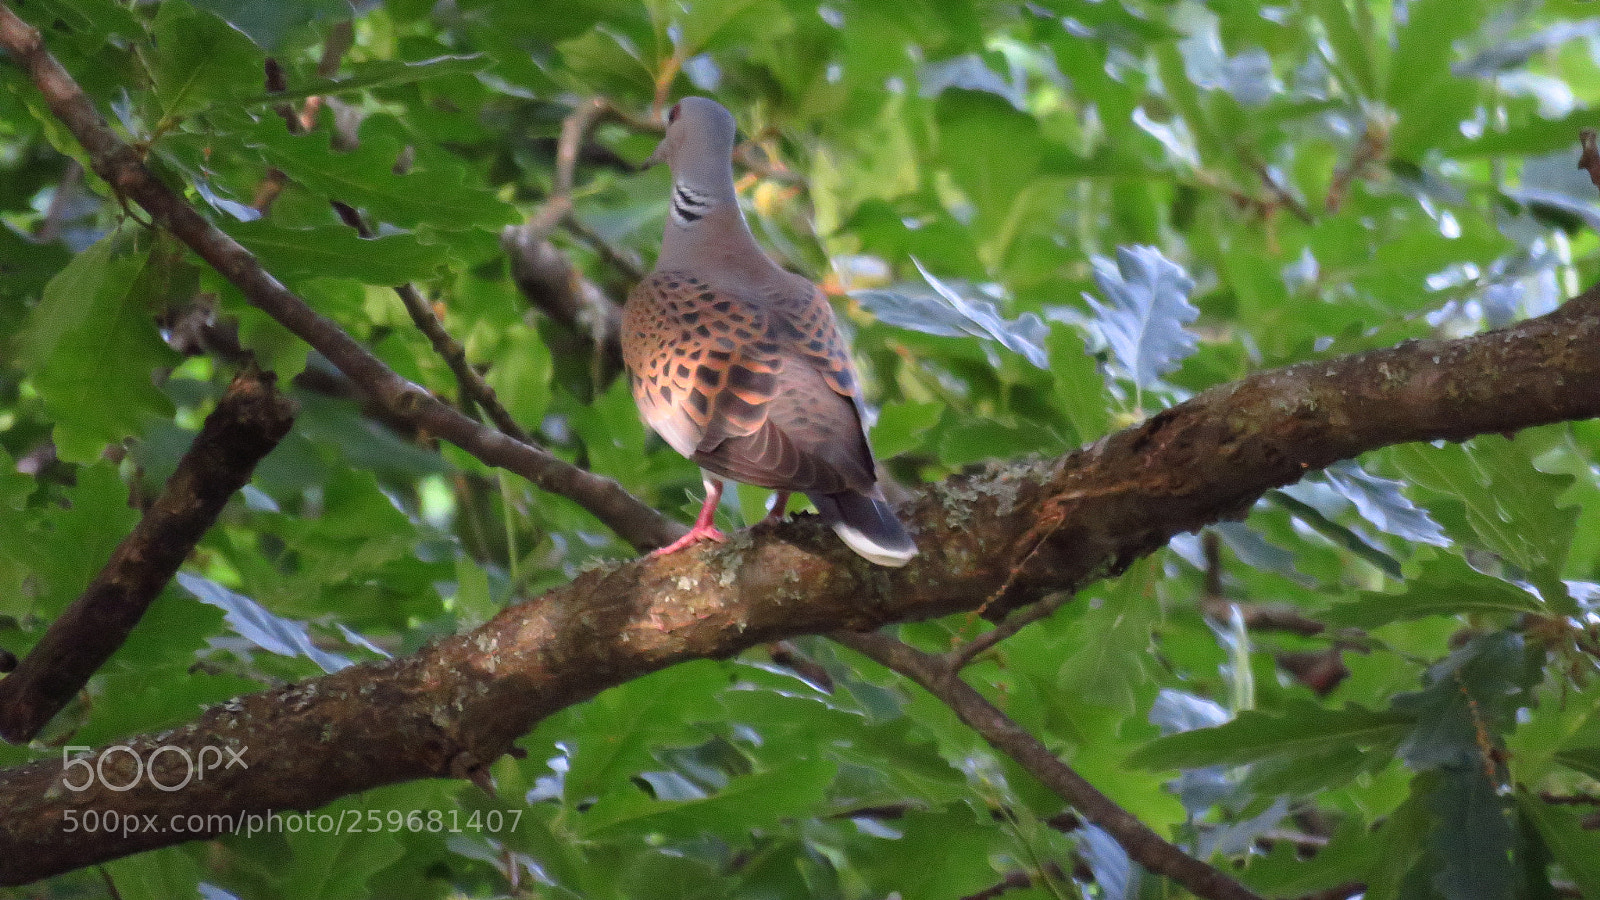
(760, 393)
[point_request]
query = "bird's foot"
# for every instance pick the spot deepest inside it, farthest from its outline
(696, 534)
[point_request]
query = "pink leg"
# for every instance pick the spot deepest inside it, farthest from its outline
(704, 528)
(779, 504)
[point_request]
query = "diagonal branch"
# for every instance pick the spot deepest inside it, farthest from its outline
(458, 704)
(248, 422)
(117, 163)
(548, 280)
(961, 656)
(1143, 846)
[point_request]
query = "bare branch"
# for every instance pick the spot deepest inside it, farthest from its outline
(574, 129)
(1144, 846)
(121, 168)
(247, 423)
(623, 261)
(963, 655)
(546, 277)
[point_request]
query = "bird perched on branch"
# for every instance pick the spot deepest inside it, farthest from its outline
(739, 364)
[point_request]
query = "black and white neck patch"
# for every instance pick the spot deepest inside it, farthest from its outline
(688, 205)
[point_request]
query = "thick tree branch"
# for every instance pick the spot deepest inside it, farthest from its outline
(1034, 528)
(247, 423)
(121, 167)
(1144, 846)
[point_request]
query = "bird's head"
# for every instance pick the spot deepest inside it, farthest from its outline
(699, 130)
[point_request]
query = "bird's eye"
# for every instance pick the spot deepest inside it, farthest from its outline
(672, 114)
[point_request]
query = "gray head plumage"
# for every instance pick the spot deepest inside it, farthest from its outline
(698, 129)
(704, 219)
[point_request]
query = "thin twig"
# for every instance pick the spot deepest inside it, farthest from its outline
(962, 656)
(624, 262)
(473, 386)
(1281, 197)
(1142, 844)
(1374, 144)
(574, 128)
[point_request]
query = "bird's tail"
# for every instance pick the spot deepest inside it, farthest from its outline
(867, 524)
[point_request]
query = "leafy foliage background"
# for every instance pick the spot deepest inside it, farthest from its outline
(1043, 221)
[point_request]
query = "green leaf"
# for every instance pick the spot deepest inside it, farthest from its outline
(1147, 306)
(947, 313)
(664, 874)
(256, 624)
(1429, 97)
(612, 736)
(64, 555)
(747, 803)
(100, 18)
(991, 182)
(1569, 842)
(14, 485)
(155, 875)
(1080, 388)
(939, 854)
(735, 23)
(1475, 848)
(1354, 41)
(1513, 508)
(1114, 644)
(964, 443)
(151, 682)
(198, 60)
(1308, 774)
(329, 862)
(1442, 586)
(1301, 727)
(437, 190)
(1535, 138)
(294, 254)
(1382, 502)
(1401, 841)
(902, 427)
(1283, 872)
(521, 375)
(1470, 700)
(92, 350)
(1581, 759)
